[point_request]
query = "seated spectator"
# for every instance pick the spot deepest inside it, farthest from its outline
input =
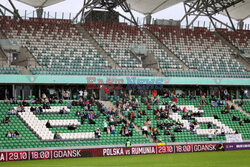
(9, 134)
(6, 120)
(108, 130)
(216, 116)
(232, 107)
(11, 112)
(69, 106)
(16, 134)
(48, 125)
(55, 135)
(240, 123)
(246, 120)
(222, 131)
(6, 101)
(172, 137)
(97, 133)
(145, 130)
(167, 132)
(78, 113)
(112, 127)
(235, 118)
(63, 111)
(241, 103)
(32, 109)
(71, 127)
(209, 125)
(177, 129)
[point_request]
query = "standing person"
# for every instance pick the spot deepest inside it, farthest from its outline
(221, 146)
(105, 125)
(210, 135)
(80, 94)
(106, 94)
(172, 137)
(128, 143)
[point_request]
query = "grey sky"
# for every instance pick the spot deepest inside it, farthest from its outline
(73, 6)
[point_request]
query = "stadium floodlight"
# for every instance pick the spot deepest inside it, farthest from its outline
(108, 5)
(208, 8)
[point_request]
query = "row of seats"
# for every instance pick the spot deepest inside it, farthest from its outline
(178, 73)
(9, 70)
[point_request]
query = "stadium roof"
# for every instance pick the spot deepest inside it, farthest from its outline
(239, 12)
(40, 3)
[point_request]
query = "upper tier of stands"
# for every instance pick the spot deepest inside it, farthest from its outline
(117, 39)
(199, 48)
(60, 48)
(239, 38)
(56, 44)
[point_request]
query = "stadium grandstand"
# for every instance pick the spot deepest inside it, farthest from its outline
(93, 81)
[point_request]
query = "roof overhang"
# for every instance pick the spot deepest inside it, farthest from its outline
(40, 3)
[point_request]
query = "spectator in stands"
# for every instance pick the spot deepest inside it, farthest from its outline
(55, 135)
(177, 129)
(105, 126)
(6, 101)
(235, 118)
(210, 135)
(128, 143)
(108, 130)
(59, 136)
(241, 103)
(172, 137)
(222, 131)
(9, 134)
(246, 120)
(236, 131)
(90, 118)
(209, 125)
(216, 116)
(71, 127)
(48, 125)
(245, 94)
(78, 113)
(6, 120)
(145, 130)
(82, 118)
(240, 123)
(16, 134)
(69, 105)
(112, 128)
(97, 133)
(11, 101)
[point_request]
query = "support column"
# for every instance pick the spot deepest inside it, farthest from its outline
(241, 24)
(39, 12)
(13, 91)
(148, 19)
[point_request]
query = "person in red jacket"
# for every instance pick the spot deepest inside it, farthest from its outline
(148, 107)
(106, 94)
